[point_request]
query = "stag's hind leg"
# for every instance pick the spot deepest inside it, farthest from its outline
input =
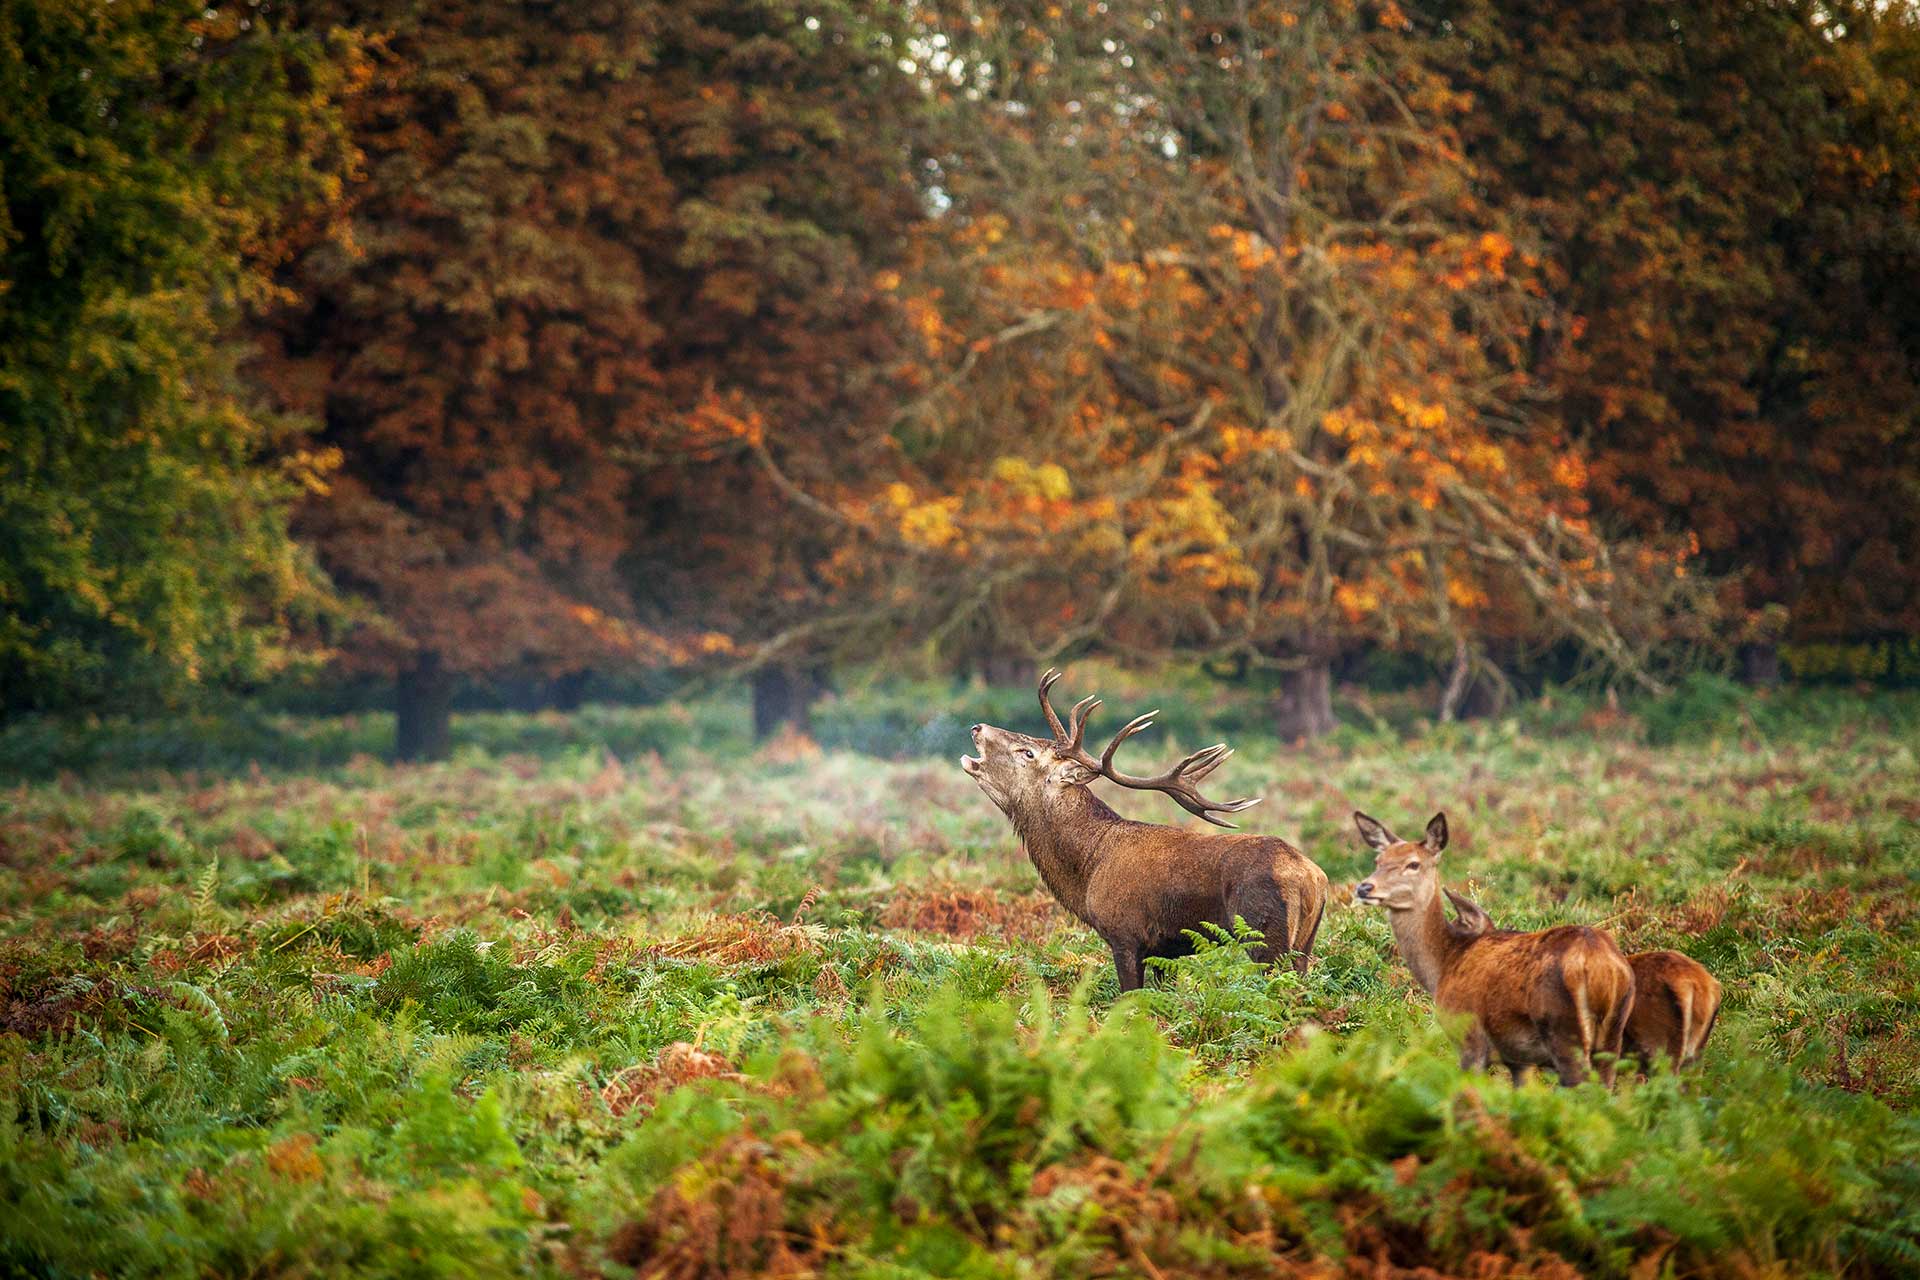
(1261, 905)
(1304, 951)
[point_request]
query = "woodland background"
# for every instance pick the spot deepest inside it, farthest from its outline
(370, 353)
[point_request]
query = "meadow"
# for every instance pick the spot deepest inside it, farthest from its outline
(614, 991)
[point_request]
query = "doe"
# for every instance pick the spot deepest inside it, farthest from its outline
(1675, 1000)
(1554, 998)
(1675, 1004)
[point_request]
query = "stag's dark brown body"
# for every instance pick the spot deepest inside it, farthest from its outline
(1553, 998)
(1142, 886)
(1676, 1002)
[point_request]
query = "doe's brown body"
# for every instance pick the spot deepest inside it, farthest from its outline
(1552, 998)
(1675, 1000)
(1548, 999)
(1675, 1005)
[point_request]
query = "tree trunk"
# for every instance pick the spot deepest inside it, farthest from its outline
(1457, 680)
(567, 690)
(1760, 664)
(1476, 688)
(782, 700)
(1012, 671)
(1487, 696)
(1304, 708)
(423, 697)
(520, 692)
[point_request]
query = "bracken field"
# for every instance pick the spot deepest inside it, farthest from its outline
(614, 991)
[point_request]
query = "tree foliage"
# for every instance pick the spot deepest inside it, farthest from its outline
(157, 159)
(1730, 198)
(791, 334)
(1228, 356)
(605, 257)
(478, 349)
(784, 332)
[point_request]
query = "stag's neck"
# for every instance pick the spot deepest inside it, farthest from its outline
(1066, 842)
(1427, 942)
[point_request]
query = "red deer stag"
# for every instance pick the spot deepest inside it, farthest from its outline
(1549, 999)
(1138, 884)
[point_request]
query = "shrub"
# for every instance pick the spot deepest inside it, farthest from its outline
(968, 1135)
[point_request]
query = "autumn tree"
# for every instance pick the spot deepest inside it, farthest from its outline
(1730, 203)
(1227, 355)
(785, 134)
(608, 260)
(157, 160)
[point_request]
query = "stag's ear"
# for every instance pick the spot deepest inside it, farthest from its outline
(1437, 832)
(1373, 831)
(1071, 773)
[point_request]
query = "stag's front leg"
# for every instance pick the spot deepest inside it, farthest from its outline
(1127, 963)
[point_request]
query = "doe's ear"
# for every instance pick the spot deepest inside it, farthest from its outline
(1071, 773)
(1437, 832)
(1373, 831)
(1469, 918)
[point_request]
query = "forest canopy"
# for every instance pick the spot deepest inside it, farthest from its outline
(477, 342)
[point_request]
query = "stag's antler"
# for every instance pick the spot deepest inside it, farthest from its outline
(1177, 782)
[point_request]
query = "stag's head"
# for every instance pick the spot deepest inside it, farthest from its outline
(1406, 875)
(1021, 773)
(1028, 776)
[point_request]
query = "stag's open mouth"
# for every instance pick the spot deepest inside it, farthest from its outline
(970, 765)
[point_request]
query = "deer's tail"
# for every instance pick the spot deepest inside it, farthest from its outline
(1697, 1025)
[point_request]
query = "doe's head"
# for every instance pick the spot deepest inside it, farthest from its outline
(1406, 875)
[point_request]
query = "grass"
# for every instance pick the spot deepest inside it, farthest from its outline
(611, 992)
